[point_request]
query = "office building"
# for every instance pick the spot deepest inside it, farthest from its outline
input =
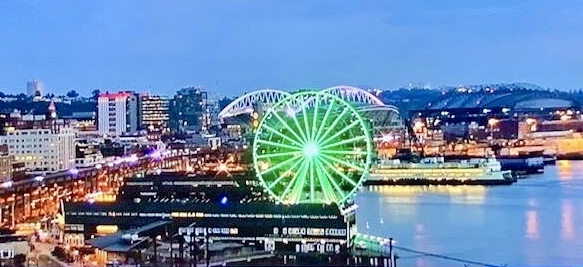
(87, 154)
(213, 106)
(189, 111)
(85, 123)
(117, 113)
(35, 88)
(43, 145)
(153, 113)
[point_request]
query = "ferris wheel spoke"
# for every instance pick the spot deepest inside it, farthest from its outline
(302, 108)
(331, 179)
(332, 126)
(280, 145)
(343, 162)
(299, 127)
(279, 154)
(298, 187)
(286, 125)
(315, 118)
(293, 180)
(335, 135)
(279, 165)
(284, 174)
(295, 142)
(346, 141)
(343, 175)
(306, 124)
(325, 183)
(312, 182)
(324, 120)
(342, 152)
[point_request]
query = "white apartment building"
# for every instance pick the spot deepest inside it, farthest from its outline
(42, 150)
(117, 113)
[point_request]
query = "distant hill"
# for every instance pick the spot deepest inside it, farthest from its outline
(407, 99)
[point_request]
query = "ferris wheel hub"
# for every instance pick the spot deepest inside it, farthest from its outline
(311, 150)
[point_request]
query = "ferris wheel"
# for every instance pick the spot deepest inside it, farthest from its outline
(312, 147)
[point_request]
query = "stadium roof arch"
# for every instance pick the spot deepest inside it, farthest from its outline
(514, 99)
(244, 103)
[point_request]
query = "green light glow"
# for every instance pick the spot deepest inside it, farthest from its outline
(311, 150)
(312, 147)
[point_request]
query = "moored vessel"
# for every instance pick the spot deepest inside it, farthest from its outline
(476, 171)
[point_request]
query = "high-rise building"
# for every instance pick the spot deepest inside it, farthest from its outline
(42, 144)
(213, 106)
(117, 113)
(153, 113)
(189, 110)
(35, 88)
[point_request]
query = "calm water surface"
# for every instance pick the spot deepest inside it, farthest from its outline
(537, 221)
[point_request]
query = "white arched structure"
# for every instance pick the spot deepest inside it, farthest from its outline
(386, 108)
(354, 94)
(244, 103)
(385, 119)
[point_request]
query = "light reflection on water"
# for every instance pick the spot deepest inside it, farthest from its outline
(565, 170)
(567, 230)
(533, 222)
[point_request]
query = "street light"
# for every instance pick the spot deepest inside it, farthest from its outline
(565, 117)
(492, 122)
(74, 171)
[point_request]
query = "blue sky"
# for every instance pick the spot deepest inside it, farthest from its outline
(230, 47)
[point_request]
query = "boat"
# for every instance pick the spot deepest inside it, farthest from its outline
(436, 171)
(519, 163)
(524, 162)
(549, 159)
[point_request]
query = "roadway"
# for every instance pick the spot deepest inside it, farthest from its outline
(36, 197)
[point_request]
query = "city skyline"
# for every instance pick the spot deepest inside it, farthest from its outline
(230, 48)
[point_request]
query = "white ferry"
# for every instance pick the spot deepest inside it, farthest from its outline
(480, 171)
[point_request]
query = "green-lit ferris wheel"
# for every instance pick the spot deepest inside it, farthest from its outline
(312, 147)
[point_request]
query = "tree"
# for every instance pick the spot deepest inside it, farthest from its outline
(224, 102)
(95, 93)
(2, 94)
(72, 94)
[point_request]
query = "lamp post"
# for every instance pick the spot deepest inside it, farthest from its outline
(208, 256)
(181, 248)
(155, 250)
(492, 122)
(192, 242)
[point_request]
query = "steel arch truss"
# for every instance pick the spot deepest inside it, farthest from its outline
(384, 119)
(244, 104)
(355, 95)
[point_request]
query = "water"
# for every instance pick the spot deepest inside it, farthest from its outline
(534, 222)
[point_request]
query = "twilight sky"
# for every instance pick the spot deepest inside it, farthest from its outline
(234, 46)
